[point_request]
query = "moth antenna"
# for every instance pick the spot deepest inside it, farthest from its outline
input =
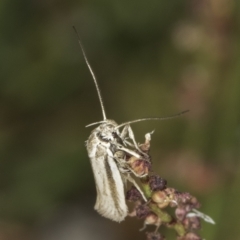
(93, 75)
(95, 123)
(154, 118)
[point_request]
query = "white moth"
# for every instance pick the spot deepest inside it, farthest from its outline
(107, 148)
(110, 201)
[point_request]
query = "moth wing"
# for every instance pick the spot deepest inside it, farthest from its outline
(110, 201)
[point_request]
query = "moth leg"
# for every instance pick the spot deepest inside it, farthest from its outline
(120, 157)
(131, 136)
(124, 132)
(124, 137)
(128, 130)
(130, 179)
(129, 151)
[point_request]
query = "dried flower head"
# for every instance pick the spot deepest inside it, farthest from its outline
(160, 197)
(133, 194)
(142, 211)
(140, 167)
(157, 183)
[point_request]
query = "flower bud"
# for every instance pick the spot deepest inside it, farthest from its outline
(180, 213)
(133, 195)
(159, 196)
(142, 211)
(195, 202)
(152, 219)
(139, 167)
(195, 223)
(157, 183)
(146, 146)
(172, 196)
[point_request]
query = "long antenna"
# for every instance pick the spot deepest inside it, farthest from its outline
(154, 118)
(91, 124)
(92, 73)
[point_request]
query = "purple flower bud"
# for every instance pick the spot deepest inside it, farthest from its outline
(157, 183)
(180, 213)
(133, 195)
(142, 211)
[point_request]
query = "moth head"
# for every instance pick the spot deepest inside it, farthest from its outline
(108, 130)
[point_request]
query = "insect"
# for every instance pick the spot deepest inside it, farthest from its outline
(108, 149)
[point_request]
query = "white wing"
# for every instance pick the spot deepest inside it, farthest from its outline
(110, 201)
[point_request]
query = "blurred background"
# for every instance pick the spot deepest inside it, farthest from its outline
(151, 58)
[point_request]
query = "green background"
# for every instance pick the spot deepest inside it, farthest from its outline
(151, 58)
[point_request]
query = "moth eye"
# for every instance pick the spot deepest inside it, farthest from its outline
(114, 134)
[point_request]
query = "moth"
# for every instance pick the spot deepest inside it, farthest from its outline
(108, 149)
